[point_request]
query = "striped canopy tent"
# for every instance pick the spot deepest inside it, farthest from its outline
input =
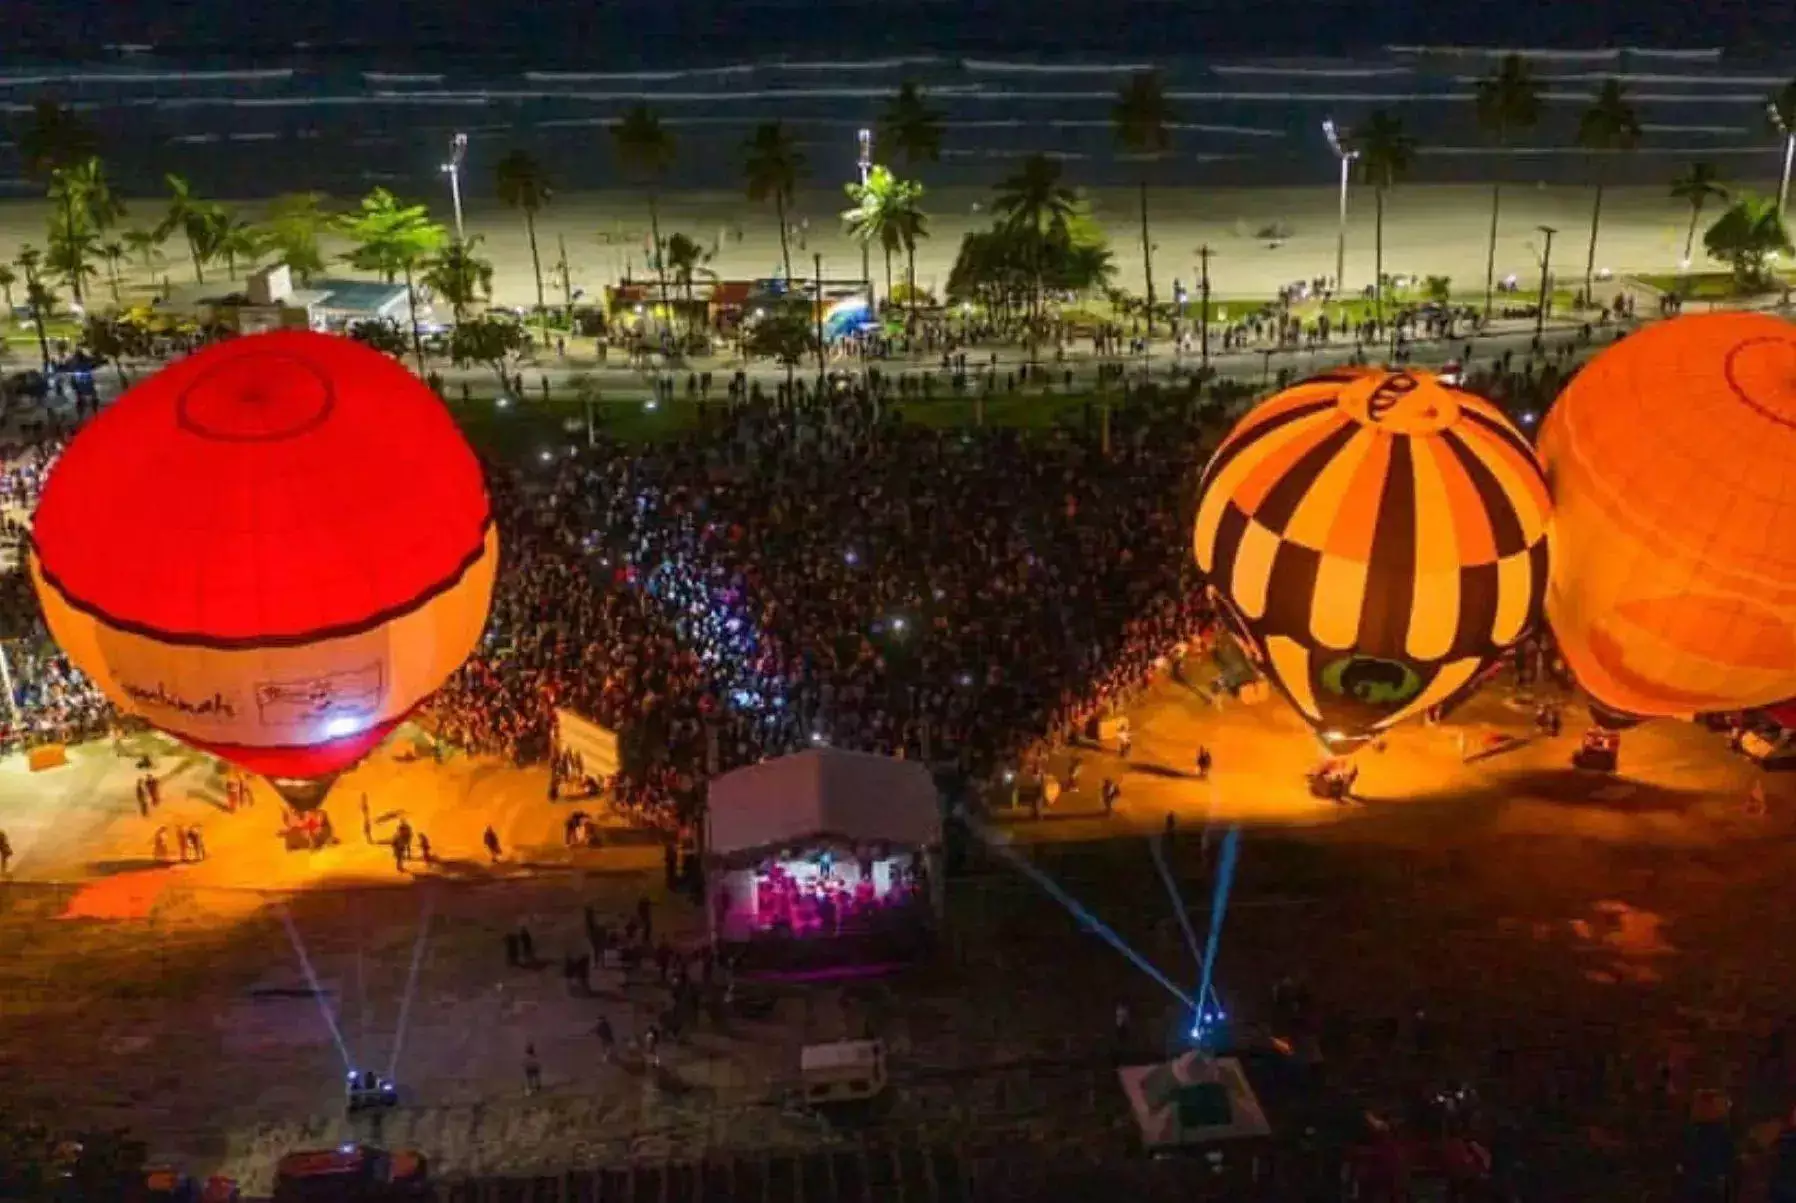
(1379, 539)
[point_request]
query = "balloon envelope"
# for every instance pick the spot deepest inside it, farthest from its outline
(274, 549)
(1673, 586)
(1378, 538)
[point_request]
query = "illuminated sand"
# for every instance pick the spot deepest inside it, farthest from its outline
(176, 1007)
(1429, 230)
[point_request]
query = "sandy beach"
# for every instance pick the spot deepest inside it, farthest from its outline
(1429, 230)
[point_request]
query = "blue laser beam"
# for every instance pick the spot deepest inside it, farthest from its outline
(1076, 909)
(411, 983)
(305, 963)
(1225, 879)
(1156, 847)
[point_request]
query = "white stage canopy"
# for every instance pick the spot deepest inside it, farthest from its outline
(855, 796)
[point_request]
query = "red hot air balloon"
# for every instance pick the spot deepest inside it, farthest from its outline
(274, 549)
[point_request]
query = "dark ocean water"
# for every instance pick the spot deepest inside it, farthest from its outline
(326, 95)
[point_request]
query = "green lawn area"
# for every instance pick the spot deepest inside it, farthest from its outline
(1709, 286)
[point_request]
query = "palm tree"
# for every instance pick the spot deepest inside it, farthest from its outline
(913, 227)
(292, 229)
(113, 252)
(1143, 122)
(147, 246)
(1508, 102)
(54, 138)
(646, 151)
(102, 206)
(393, 239)
(69, 255)
(8, 278)
(1385, 155)
(686, 259)
(523, 186)
(1746, 236)
(459, 276)
(37, 297)
(911, 127)
(1033, 200)
(197, 220)
(1782, 112)
(772, 168)
(1696, 187)
(881, 213)
(239, 240)
(1607, 126)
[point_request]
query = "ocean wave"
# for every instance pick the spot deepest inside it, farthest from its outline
(195, 139)
(992, 66)
(1710, 53)
(872, 64)
(1010, 152)
(1754, 98)
(256, 137)
(256, 75)
(1648, 77)
(388, 78)
(1467, 151)
(1652, 128)
(1320, 72)
(600, 77)
(1529, 52)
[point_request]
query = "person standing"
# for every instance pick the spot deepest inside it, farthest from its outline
(491, 839)
(367, 822)
(1125, 739)
(533, 1070)
(5, 854)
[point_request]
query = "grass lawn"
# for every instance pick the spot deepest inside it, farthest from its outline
(1709, 286)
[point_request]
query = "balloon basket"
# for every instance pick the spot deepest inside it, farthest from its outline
(1599, 753)
(303, 794)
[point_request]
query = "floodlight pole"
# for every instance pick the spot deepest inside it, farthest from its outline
(1783, 186)
(458, 150)
(864, 144)
(1346, 157)
(1203, 287)
(1546, 268)
(12, 699)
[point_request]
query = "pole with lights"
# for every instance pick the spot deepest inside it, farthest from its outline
(1783, 127)
(1346, 156)
(864, 144)
(1546, 277)
(458, 151)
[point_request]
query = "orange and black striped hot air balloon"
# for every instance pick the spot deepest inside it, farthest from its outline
(1379, 539)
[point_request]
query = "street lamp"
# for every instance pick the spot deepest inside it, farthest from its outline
(864, 146)
(1546, 268)
(1783, 127)
(458, 150)
(1346, 157)
(12, 698)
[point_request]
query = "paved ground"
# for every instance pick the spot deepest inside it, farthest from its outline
(1516, 899)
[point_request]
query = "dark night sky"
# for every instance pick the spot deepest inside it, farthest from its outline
(712, 28)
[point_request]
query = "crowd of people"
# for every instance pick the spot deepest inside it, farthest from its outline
(50, 701)
(816, 573)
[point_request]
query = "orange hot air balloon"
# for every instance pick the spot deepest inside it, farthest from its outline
(273, 549)
(1673, 584)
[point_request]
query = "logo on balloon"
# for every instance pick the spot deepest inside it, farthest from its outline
(1372, 681)
(353, 693)
(1388, 393)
